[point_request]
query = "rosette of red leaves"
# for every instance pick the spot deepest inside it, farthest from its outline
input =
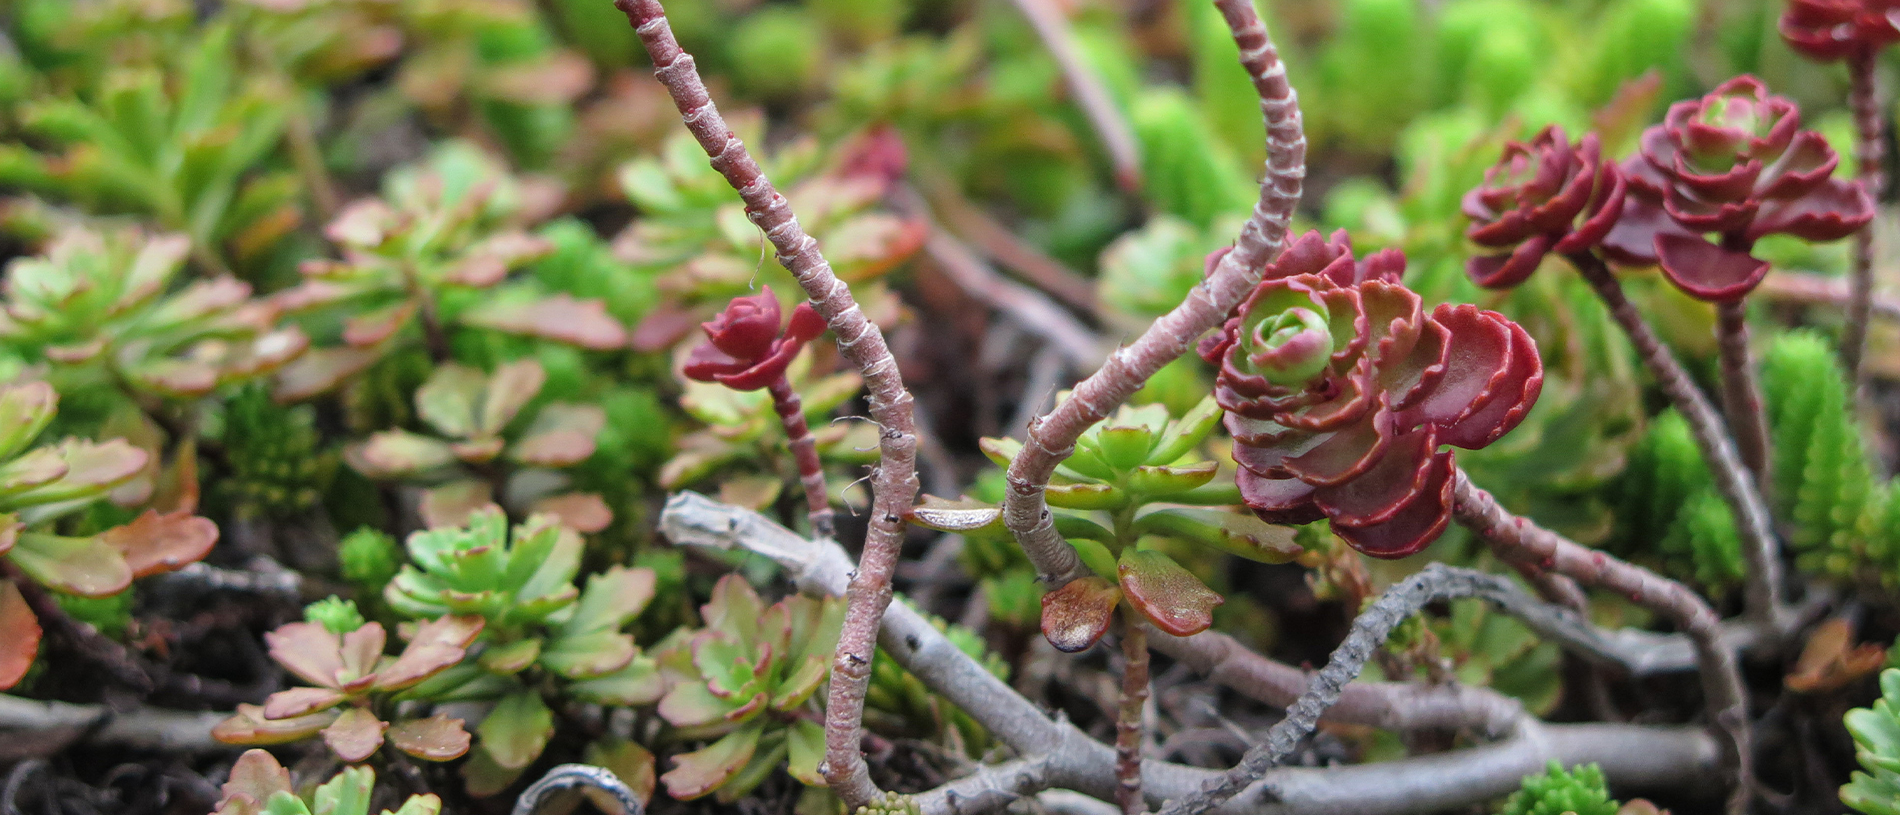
(1340, 390)
(1546, 195)
(745, 350)
(1735, 163)
(1827, 30)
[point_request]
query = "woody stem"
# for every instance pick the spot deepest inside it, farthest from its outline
(1760, 552)
(1741, 395)
(1870, 155)
(811, 473)
(1521, 539)
(1128, 725)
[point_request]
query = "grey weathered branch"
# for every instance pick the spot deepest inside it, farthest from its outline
(578, 776)
(143, 728)
(1636, 758)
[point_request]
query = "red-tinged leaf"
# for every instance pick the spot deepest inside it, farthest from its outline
(698, 773)
(870, 244)
(356, 735)
(1078, 614)
(511, 388)
(562, 318)
(10, 527)
(94, 465)
(1830, 660)
(555, 79)
(177, 488)
(630, 762)
(517, 730)
(398, 453)
(691, 704)
(364, 223)
(371, 328)
(176, 378)
(25, 410)
(451, 401)
(19, 635)
(1168, 595)
(293, 703)
(308, 650)
(450, 505)
(83, 566)
(437, 645)
(320, 370)
(250, 726)
(42, 466)
(589, 654)
(254, 779)
(584, 512)
(437, 738)
(561, 435)
(155, 544)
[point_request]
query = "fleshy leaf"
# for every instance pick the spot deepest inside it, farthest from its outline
(356, 735)
(1173, 599)
(249, 726)
(437, 738)
(561, 318)
(19, 635)
(1243, 535)
(25, 410)
(698, 773)
(83, 566)
(254, 779)
(438, 644)
(517, 730)
(154, 543)
(1078, 614)
(398, 453)
(965, 514)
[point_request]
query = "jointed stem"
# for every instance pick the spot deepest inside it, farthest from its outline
(1741, 396)
(1760, 552)
(1870, 155)
(811, 472)
(1721, 680)
(894, 484)
(1051, 438)
(1128, 726)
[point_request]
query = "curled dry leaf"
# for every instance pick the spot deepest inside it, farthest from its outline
(1831, 660)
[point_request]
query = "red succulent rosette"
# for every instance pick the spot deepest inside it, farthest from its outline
(744, 349)
(1735, 163)
(1546, 195)
(1340, 390)
(1828, 30)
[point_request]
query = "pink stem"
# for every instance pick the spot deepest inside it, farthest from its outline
(894, 486)
(1051, 438)
(1741, 395)
(1128, 729)
(811, 472)
(1523, 540)
(1870, 155)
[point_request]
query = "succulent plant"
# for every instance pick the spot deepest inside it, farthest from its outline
(1828, 30)
(41, 484)
(276, 469)
(1340, 390)
(472, 414)
(1737, 163)
(259, 785)
(1547, 195)
(101, 308)
(898, 702)
(745, 348)
(537, 623)
(1876, 732)
(353, 684)
(413, 259)
(1138, 475)
(1822, 472)
(1577, 791)
(183, 139)
(748, 683)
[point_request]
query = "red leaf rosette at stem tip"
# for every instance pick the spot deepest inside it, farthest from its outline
(744, 349)
(1829, 30)
(1737, 164)
(1340, 390)
(1545, 195)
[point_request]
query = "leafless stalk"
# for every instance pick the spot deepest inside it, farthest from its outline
(1817, 289)
(1001, 245)
(1760, 551)
(1741, 394)
(811, 472)
(894, 484)
(143, 728)
(1721, 680)
(573, 776)
(1128, 719)
(1869, 155)
(1633, 757)
(1090, 93)
(1052, 437)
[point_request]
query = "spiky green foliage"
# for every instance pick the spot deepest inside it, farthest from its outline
(369, 558)
(1823, 483)
(1577, 791)
(276, 468)
(335, 614)
(1876, 731)
(898, 702)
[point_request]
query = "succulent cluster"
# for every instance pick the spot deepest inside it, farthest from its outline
(1828, 30)
(1544, 196)
(1340, 390)
(260, 786)
(1577, 791)
(1876, 730)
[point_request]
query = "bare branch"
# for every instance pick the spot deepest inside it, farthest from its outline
(1812, 288)
(1760, 551)
(894, 486)
(1090, 93)
(141, 729)
(1721, 680)
(1870, 156)
(1052, 437)
(1741, 394)
(572, 776)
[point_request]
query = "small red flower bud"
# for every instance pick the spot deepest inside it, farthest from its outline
(744, 349)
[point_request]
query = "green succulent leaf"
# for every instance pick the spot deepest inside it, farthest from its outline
(698, 773)
(517, 730)
(1230, 532)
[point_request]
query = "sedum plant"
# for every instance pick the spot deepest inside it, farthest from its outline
(484, 446)
(38, 486)
(261, 786)
(1876, 731)
(1576, 791)
(748, 683)
(107, 307)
